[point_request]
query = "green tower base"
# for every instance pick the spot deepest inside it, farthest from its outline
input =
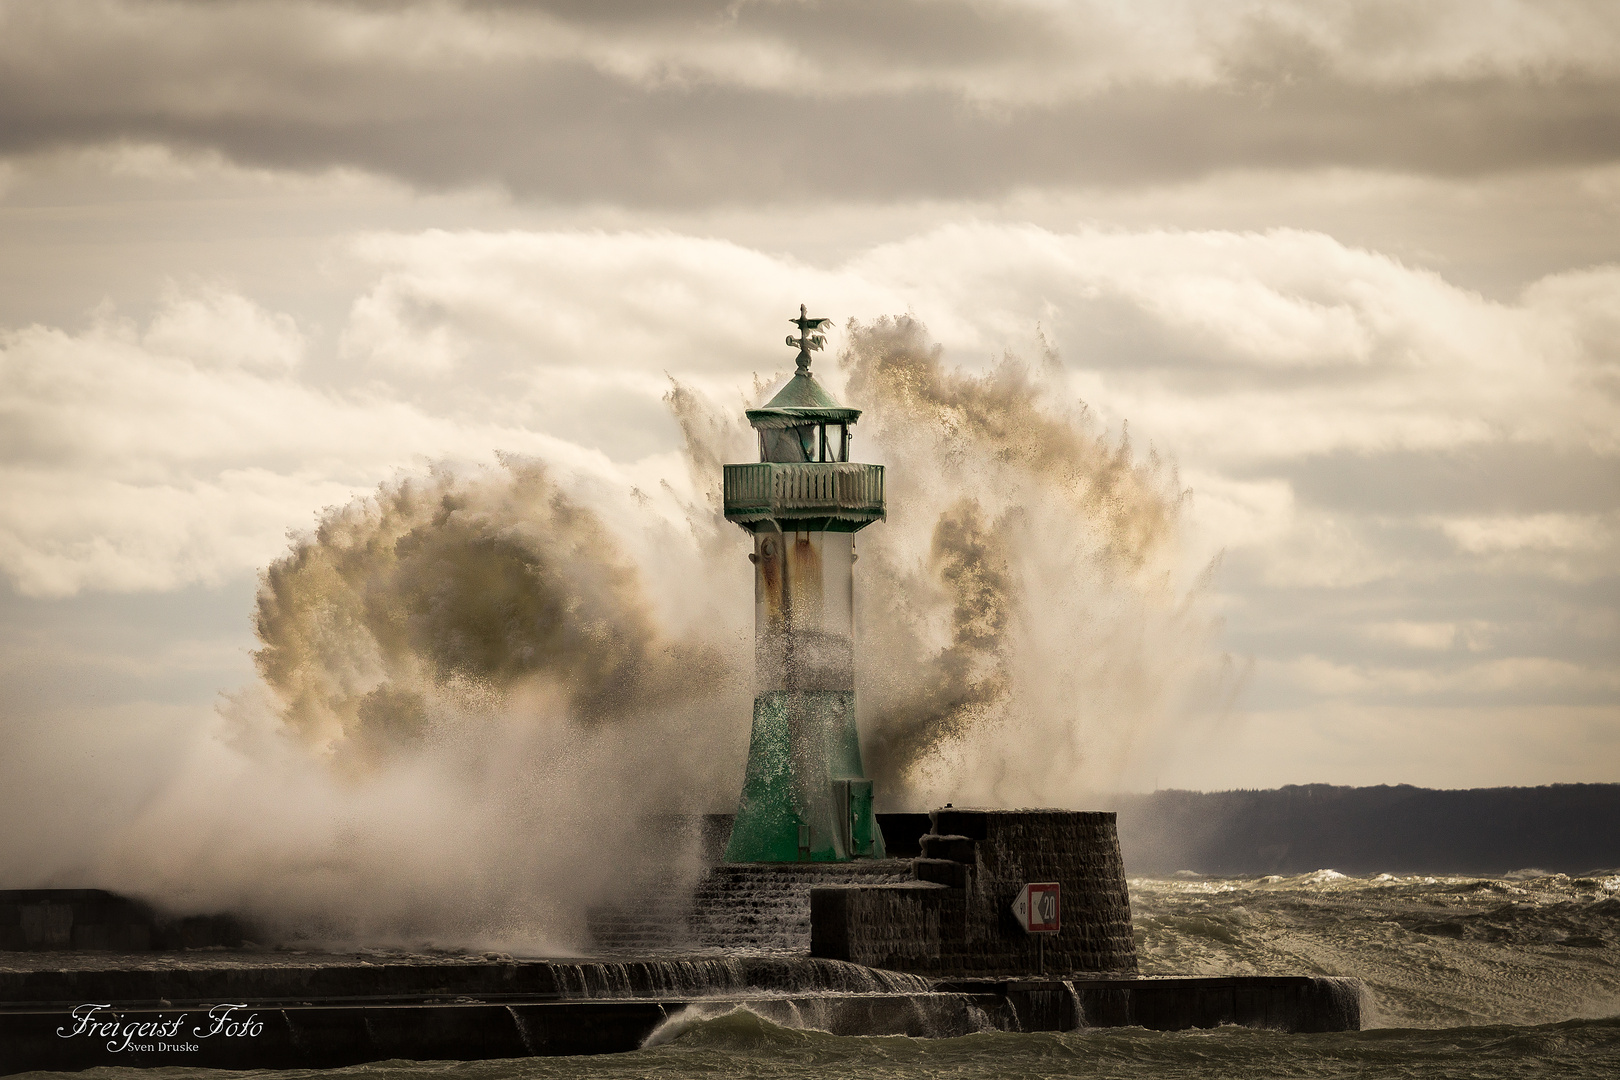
(804, 797)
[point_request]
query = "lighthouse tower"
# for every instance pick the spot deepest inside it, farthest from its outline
(805, 797)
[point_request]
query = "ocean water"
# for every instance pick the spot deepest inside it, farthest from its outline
(1465, 977)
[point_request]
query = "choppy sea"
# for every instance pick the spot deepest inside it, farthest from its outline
(1465, 977)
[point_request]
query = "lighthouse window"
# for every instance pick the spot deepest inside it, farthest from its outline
(807, 442)
(789, 444)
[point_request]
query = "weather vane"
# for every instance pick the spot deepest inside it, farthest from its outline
(808, 339)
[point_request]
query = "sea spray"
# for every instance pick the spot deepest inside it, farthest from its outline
(1027, 635)
(488, 693)
(472, 725)
(458, 589)
(1028, 629)
(779, 1021)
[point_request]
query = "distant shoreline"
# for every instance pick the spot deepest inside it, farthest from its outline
(1562, 828)
(1487, 832)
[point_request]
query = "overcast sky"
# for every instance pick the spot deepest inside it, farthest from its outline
(1353, 266)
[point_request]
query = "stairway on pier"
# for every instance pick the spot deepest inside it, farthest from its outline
(753, 908)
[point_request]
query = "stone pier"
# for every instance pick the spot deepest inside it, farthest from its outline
(955, 916)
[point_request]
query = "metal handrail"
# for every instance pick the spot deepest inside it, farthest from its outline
(807, 489)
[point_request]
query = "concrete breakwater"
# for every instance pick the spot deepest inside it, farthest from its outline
(922, 947)
(275, 978)
(753, 908)
(33, 919)
(269, 1010)
(947, 911)
(955, 916)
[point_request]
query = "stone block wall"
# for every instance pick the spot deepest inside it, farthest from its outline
(73, 919)
(956, 917)
(62, 919)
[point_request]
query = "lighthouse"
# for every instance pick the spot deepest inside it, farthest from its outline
(805, 796)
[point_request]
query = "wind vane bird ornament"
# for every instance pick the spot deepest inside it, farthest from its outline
(808, 339)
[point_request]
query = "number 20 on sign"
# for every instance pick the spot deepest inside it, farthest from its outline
(1039, 907)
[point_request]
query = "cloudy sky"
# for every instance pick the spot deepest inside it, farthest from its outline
(1353, 265)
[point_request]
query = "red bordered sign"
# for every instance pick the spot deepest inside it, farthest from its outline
(1039, 907)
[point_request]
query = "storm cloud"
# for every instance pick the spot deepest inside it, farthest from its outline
(700, 104)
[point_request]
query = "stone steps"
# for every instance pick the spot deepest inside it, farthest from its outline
(758, 908)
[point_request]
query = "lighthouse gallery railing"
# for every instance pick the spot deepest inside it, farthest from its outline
(847, 491)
